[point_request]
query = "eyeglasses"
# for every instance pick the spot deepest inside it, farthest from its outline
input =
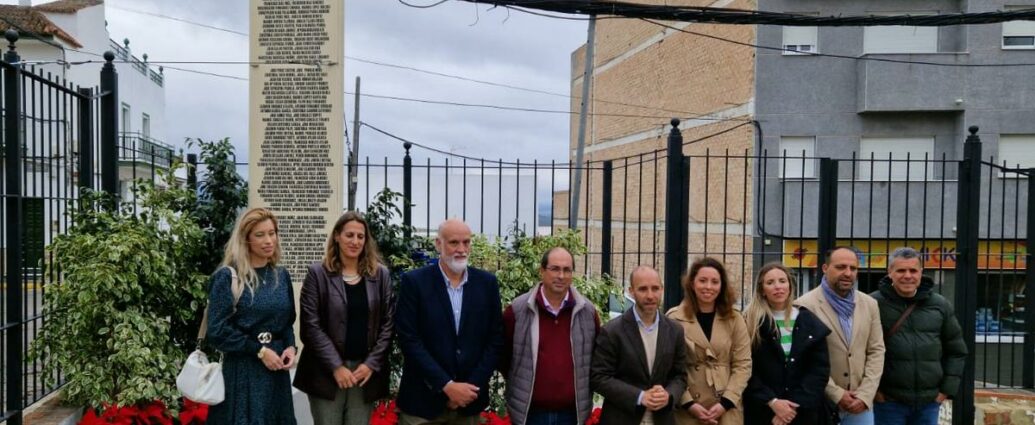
(562, 270)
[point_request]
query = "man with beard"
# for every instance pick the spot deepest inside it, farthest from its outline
(449, 322)
(856, 345)
(639, 363)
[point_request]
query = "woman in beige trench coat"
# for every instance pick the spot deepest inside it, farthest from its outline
(718, 348)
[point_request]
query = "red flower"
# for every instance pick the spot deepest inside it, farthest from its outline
(193, 412)
(109, 415)
(154, 414)
(594, 418)
(384, 414)
(151, 414)
(491, 418)
(90, 418)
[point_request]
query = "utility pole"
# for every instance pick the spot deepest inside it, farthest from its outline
(354, 155)
(587, 79)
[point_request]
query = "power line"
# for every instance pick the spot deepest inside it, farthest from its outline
(753, 17)
(589, 164)
(531, 3)
(523, 109)
(413, 69)
(526, 89)
(457, 77)
(718, 133)
(472, 105)
(422, 6)
(440, 151)
(442, 102)
(547, 15)
(212, 74)
(159, 15)
(665, 150)
(837, 56)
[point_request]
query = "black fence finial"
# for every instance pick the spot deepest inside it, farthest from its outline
(407, 146)
(12, 36)
(674, 122)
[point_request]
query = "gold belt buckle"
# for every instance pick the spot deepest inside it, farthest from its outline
(265, 338)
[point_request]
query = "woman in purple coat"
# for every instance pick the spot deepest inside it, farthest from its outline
(346, 327)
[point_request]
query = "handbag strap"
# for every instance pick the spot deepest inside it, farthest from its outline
(236, 288)
(901, 320)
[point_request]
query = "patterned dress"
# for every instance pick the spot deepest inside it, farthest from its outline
(254, 394)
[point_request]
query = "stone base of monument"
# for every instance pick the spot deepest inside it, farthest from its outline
(302, 414)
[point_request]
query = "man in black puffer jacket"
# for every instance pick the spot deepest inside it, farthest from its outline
(925, 348)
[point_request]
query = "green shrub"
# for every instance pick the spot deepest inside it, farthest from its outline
(128, 282)
(222, 193)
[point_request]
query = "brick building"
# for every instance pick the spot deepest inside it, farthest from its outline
(709, 85)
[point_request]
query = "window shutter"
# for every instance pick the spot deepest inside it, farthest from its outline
(797, 157)
(1017, 150)
(803, 39)
(898, 148)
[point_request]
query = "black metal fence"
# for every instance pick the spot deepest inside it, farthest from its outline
(57, 139)
(969, 219)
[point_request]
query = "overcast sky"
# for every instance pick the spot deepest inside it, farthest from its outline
(454, 38)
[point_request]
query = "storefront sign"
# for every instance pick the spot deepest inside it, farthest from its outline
(936, 254)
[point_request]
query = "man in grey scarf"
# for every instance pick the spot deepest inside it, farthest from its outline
(856, 343)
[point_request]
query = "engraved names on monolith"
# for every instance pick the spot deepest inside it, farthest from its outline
(296, 103)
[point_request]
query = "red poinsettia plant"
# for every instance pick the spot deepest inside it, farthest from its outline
(384, 414)
(193, 413)
(154, 413)
(491, 418)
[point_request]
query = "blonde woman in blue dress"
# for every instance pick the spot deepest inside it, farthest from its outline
(251, 317)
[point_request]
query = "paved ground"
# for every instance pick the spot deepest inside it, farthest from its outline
(49, 411)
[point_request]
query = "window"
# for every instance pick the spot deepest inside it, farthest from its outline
(145, 126)
(802, 40)
(1018, 150)
(797, 157)
(898, 149)
(125, 118)
(1019, 34)
(900, 38)
(1000, 301)
(35, 219)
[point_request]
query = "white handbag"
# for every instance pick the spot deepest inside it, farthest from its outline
(199, 380)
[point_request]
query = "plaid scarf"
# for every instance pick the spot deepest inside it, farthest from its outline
(844, 307)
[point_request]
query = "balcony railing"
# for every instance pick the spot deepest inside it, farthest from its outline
(141, 149)
(123, 54)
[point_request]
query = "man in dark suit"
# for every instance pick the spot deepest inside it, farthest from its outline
(640, 359)
(450, 325)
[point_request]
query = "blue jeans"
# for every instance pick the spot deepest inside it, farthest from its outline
(551, 417)
(895, 413)
(864, 418)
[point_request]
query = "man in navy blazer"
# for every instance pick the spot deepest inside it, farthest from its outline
(449, 320)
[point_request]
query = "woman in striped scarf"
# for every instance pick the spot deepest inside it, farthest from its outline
(790, 365)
